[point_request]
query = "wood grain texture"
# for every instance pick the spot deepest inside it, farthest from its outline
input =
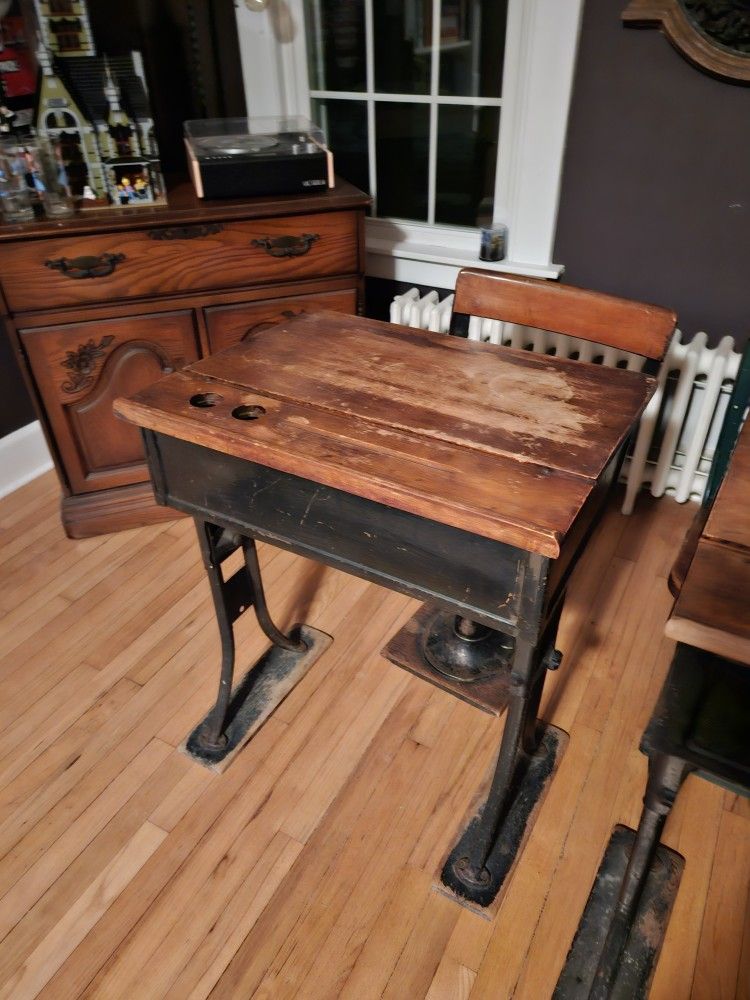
(225, 259)
(712, 609)
(546, 305)
(160, 284)
(370, 768)
(508, 446)
(729, 520)
(185, 208)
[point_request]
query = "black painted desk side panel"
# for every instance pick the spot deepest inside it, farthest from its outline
(413, 555)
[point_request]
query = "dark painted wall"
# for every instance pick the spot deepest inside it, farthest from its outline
(655, 200)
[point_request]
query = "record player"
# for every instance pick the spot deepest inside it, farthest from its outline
(242, 157)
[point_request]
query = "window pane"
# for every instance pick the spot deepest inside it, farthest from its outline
(401, 34)
(402, 142)
(336, 44)
(466, 158)
(345, 126)
(472, 43)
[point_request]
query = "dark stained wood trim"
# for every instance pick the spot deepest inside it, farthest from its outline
(669, 16)
(185, 208)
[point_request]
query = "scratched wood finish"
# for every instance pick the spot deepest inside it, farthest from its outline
(515, 502)
(352, 404)
(620, 323)
(551, 412)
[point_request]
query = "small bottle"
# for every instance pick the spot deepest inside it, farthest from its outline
(15, 195)
(52, 182)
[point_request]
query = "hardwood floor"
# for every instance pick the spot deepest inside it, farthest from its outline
(306, 869)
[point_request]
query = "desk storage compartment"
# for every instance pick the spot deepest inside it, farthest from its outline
(228, 325)
(79, 370)
(73, 270)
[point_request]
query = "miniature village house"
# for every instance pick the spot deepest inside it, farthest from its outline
(97, 107)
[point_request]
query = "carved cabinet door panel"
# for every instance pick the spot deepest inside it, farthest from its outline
(80, 368)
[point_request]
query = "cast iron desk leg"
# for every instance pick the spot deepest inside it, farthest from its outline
(665, 776)
(231, 598)
(519, 741)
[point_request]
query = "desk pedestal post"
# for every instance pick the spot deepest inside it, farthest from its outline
(231, 598)
(665, 776)
(520, 740)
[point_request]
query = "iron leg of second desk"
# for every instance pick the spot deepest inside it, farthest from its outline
(485, 853)
(238, 712)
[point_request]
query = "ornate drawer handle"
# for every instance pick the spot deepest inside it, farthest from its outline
(86, 267)
(185, 232)
(286, 246)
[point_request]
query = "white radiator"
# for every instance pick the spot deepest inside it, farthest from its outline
(678, 431)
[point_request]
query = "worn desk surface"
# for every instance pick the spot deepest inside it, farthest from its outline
(499, 442)
(712, 611)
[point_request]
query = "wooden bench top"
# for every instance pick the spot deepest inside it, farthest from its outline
(713, 609)
(503, 443)
(729, 520)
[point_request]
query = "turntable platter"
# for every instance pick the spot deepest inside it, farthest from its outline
(237, 144)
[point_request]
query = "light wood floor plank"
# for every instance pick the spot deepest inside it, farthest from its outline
(306, 870)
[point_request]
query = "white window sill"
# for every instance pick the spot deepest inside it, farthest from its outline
(433, 256)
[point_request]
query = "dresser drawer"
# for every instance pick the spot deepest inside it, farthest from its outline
(227, 325)
(49, 273)
(79, 370)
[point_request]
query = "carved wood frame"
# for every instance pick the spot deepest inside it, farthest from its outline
(671, 18)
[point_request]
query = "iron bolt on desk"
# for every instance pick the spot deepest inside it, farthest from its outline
(465, 475)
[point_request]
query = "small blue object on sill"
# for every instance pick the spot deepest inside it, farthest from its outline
(494, 243)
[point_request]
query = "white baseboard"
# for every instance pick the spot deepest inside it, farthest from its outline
(24, 455)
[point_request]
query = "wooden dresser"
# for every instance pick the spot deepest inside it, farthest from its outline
(101, 305)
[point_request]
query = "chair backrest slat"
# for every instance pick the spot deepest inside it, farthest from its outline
(546, 305)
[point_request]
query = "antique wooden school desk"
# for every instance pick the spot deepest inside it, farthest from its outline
(460, 473)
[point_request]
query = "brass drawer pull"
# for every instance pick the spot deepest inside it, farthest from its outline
(185, 232)
(86, 267)
(286, 246)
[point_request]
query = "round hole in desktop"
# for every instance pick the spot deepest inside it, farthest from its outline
(205, 399)
(248, 411)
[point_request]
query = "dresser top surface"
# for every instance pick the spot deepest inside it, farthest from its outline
(185, 208)
(503, 443)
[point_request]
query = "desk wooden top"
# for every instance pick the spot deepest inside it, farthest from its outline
(712, 610)
(729, 520)
(503, 443)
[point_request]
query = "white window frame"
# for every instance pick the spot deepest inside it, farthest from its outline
(540, 54)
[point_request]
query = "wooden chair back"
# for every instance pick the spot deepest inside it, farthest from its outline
(546, 305)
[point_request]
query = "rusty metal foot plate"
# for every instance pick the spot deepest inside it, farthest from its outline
(532, 778)
(262, 688)
(647, 930)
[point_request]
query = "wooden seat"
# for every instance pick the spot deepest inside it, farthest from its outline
(575, 312)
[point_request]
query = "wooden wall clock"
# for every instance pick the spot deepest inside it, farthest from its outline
(713, 34)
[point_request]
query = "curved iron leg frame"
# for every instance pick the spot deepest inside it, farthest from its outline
(259, 600)
(231, 598)
(665, 776)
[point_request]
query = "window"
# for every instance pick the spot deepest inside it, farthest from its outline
(409, 95)
(61, 7)
(452, 113)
